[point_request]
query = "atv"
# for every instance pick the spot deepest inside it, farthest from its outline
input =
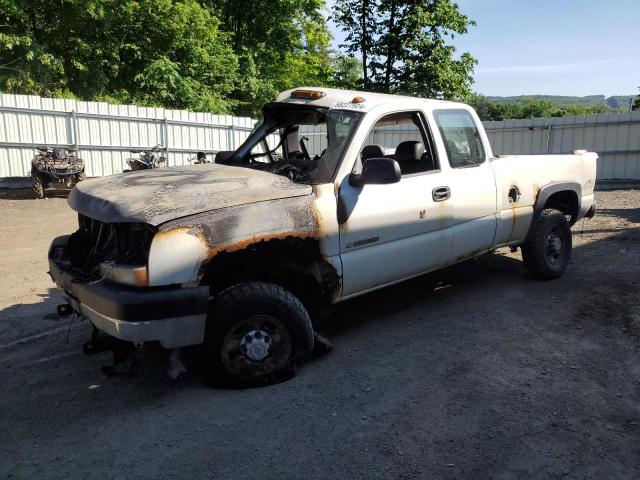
(201, 159)
(147, 159)
(55, 168)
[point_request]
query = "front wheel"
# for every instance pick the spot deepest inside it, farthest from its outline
(255, 331)
(547, 252)
(37, 185)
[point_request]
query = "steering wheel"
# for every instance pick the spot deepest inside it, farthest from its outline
(270, 153)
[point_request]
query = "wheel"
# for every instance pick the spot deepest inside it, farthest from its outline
(548, 250)
(36, 183)
(80, 176)
(254, 332)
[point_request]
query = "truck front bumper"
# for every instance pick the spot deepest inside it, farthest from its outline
(175, 316)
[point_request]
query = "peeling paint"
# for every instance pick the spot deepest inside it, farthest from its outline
(269, 227)
(159, 195)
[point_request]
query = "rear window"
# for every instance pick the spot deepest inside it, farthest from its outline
(461, 138)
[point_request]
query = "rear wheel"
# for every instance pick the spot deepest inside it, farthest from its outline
(254, 333)
(36, 183)
(547, 252)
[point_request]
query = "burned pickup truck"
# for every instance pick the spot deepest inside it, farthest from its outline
(333, 195)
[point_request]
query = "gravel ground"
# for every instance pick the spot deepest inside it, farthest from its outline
(476, 371)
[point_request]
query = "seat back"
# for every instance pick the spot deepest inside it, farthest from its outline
(372, 151)
(409, 156)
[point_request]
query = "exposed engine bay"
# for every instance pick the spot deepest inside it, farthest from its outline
(95, 242)
(278, 145)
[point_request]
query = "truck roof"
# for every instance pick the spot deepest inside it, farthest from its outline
(344, 99)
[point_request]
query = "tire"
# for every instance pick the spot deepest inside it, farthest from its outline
(36, 183)
(80, 176)
(254, 333)
(547, 252)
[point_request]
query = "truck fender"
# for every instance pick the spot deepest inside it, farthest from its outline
(554, 187)
(547, 191)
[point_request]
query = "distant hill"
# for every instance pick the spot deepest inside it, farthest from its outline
(616, 101)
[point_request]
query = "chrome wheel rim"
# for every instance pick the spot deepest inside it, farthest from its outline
(553, 247)
(256, 347)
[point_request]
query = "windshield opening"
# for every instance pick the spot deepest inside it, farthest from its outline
(300, 142)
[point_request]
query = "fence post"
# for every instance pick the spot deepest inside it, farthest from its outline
(165, 139)
(74, 130)
(233, 134)
(548, 137)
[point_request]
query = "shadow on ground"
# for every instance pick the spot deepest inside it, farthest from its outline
(27, 194)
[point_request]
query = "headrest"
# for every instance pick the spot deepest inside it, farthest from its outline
(410, 151)
(372, 151)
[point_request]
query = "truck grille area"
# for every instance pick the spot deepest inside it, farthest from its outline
(95, 242)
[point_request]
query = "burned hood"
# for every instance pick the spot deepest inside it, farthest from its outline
(158, 195)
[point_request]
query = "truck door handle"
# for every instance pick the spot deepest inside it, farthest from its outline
(440, 194)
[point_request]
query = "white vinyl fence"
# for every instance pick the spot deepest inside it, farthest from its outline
(104, 134)
(614, 137)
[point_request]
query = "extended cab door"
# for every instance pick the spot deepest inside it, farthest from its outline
(392, 232)
(470, 179)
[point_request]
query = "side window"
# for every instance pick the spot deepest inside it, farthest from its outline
(403, 137)
(461, 138)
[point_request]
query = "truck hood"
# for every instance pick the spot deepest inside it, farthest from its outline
(158, 195)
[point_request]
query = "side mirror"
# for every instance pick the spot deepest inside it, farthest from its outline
(376, 171)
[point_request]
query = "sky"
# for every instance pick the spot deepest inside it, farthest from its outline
(551, 47)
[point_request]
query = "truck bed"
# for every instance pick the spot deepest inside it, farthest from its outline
(528, 174)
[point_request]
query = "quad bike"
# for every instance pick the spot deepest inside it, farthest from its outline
(55, 168)
(201, 158)
(147, 159)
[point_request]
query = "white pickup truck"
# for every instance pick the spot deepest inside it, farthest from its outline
(334, 194)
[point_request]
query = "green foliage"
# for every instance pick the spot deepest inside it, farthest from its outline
(347, 72)
(358, 18)
(232, 56)
(403, 45)
(217, 56)
(280, 44)
(226, 56)
(636, 103)
(531, 107)
(151, 52)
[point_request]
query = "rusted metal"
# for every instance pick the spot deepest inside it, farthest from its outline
(236, 228)
(271, 227)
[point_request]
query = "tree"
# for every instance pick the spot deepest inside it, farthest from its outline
(358, 19)
(280, 44)
(530, 108)
(404, 45)
(347, 72)
(636, 104)
(151, 52)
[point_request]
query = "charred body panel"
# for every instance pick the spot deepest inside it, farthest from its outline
(279, 240)
(156, 196)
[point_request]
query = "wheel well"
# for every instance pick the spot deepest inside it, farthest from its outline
(295, 264)
(566, 201)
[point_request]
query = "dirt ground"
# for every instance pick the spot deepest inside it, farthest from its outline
(477, 371)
